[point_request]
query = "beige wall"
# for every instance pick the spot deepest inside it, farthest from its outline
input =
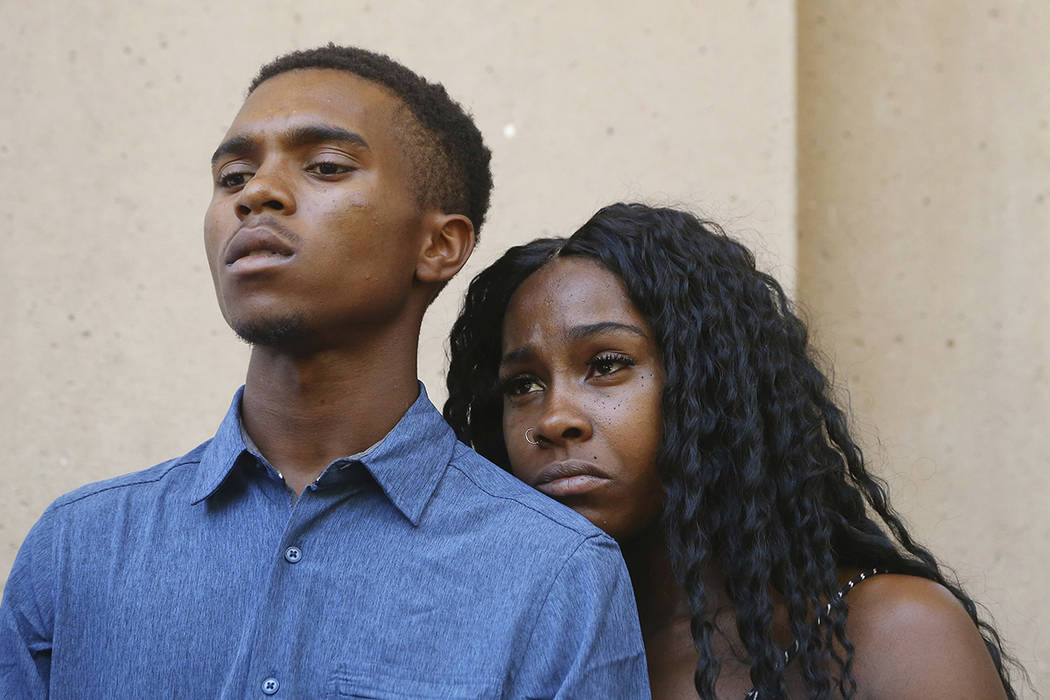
(924, 253)
(116, 356)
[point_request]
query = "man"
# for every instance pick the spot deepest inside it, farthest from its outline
(333, 537)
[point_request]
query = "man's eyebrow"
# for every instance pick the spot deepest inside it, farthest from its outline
(237, 146)
(319, 133)
(575, 333)
(298, 136)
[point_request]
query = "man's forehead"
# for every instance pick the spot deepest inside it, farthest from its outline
(301, 95)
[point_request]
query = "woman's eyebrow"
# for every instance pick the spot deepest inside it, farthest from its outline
(584, 331)
(516, 355)
(575, 333)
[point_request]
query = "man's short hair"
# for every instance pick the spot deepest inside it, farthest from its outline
(449, 160)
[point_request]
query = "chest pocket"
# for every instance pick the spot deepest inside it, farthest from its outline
(384, 682)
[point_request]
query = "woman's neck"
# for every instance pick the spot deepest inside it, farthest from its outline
(661, 601)
(663, 611)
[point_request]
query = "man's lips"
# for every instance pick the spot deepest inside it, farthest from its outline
(255, 247)
(569, 478)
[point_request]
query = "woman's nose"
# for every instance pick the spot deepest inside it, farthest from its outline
(563, 419)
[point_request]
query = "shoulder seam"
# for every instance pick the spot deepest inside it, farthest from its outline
(567, 526)
(178, 462)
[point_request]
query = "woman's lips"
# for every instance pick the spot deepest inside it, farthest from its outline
(571, 486)
(569, 478)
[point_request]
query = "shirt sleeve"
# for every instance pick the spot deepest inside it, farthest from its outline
(26, 619)
(587, 642)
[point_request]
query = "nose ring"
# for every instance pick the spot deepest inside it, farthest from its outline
(528, 439)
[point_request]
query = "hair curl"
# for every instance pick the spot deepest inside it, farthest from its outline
(450, 161)
(761, 476)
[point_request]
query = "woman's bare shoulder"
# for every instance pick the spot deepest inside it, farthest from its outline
(913, 639)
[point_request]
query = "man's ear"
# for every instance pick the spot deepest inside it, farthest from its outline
(446, 247)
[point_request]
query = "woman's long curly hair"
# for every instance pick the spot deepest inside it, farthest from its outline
(762, 480)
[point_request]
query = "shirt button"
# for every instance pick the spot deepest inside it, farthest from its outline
(270, 686)
(293, 554)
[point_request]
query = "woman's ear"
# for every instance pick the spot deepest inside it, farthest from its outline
(446, 247)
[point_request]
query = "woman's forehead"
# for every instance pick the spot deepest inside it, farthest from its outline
(565, 294)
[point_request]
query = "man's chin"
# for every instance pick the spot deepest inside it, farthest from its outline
(275, 332)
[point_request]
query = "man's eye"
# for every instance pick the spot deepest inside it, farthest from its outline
(608, 363)
(519, 386)
(235, 179)
(328, 168)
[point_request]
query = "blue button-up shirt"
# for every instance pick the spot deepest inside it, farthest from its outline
(413, 570)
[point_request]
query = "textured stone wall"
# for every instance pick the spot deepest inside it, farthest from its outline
(115, 355)
(913, 145)
(924, 253)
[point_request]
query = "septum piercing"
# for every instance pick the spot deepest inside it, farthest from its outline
(528, 439)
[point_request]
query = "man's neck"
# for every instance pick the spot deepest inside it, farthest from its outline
(305, 410)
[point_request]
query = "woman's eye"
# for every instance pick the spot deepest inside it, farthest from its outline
(328, 168)
(519, 386)
(608, 363)
(235, 179)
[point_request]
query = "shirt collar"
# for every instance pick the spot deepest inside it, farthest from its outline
(221, 454)
(407, 464)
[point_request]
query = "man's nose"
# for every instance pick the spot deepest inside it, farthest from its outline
(267, 190)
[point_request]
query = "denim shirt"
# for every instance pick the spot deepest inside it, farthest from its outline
(416, 569)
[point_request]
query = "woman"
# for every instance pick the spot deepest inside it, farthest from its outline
(644, 373)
